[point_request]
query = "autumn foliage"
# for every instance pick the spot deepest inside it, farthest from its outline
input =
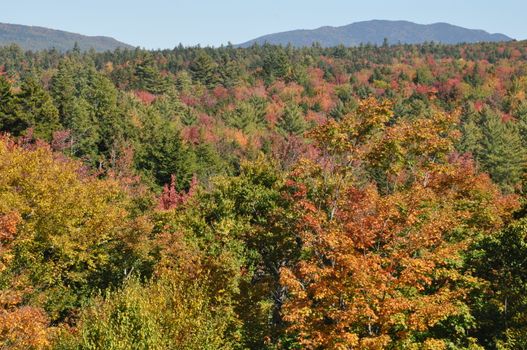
(380, 267)
(264, 198)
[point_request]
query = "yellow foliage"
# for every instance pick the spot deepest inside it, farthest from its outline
(60, 230)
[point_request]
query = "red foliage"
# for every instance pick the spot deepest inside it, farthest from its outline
(190, 101)
(172, 199)
(145, 97)
(61, 140)
(506, 117)
(191, 134)
(220, 92)
(478, 105)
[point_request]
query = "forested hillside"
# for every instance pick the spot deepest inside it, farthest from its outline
(40, 38)
(375, 32)
(264, 198)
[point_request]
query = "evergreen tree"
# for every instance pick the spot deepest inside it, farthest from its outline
(276, 64)
(183, 81)
(85, 131)
(149, 78)
(203, 69)
(471, 133)
(101, 95)
(292, 121)
(38, 108)
(230, 73)
(248, 114)
(502, 154)
(188, 116)
(64, 89)
(163, 153)
(75, 111)
(501, 305)
(11, 120)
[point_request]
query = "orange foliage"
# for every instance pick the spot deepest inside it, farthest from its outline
(381, 264)
(24, 328)
(20, 327)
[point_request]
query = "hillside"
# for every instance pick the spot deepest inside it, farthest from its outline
(39, 38)
(376, 31)
(264, 198)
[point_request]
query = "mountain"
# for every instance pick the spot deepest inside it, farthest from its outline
(39, 38)
(376, 31)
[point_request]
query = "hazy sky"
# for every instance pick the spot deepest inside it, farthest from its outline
(164, 23)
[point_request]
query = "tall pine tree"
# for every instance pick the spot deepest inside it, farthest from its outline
(502, 154)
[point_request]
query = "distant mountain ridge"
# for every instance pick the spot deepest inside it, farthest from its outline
(40, 38)
(375, 31)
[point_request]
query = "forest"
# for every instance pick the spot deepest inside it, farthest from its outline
(271, 197)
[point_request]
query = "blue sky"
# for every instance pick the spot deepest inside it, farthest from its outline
(164, 23)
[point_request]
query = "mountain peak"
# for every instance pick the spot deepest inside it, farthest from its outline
(375, 31)
(41, 38)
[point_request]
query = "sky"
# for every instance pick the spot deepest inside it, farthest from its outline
(157, 24)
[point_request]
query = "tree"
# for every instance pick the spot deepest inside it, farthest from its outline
(102, 96)
(163, 152)
(74, 235)
(203, 69)
(38, 109)
(248, 114)
(292, 120)
(75, 111)
(11, 120)
(276, 64)
(174, 312)
(149, 78)
(502, 154)
(379, 269)
(499, 302)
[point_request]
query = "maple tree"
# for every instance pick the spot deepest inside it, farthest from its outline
(61, 233)
(380, 267)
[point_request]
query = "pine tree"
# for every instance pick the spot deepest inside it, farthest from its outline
(11, 120)
(230, 73)
(149, 78)
(37, 106)
(183, 81)
(502, 154)
(85, 132)
(203, 69)
(471, 133)
(163, 152)
(101, 95)
(248, 114)
(276, 64)
(292, 121)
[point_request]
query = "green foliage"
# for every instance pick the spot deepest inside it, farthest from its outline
(500, 307)
(210, 265)
(11, 119)
(149, 78)
(423, 76)
(71, 230)
(171, 313)
(36, 107)
(163, 153)
(292, 122)
(276, 64)
(502, 154)
(248, 115)
(203, 69)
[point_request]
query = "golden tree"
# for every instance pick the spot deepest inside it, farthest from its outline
(387, 212)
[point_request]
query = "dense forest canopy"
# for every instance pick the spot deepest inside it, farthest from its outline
(264, 198)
